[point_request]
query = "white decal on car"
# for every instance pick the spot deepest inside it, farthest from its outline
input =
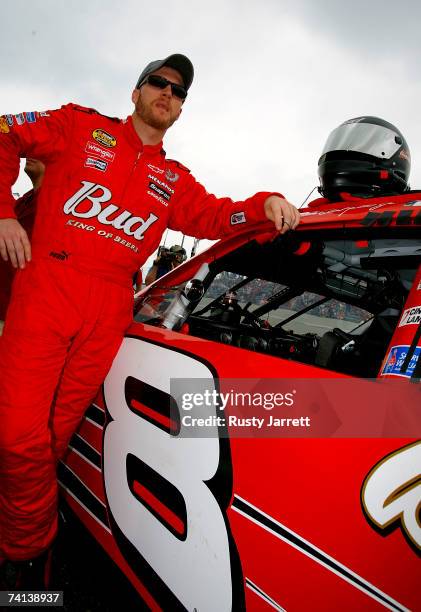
(197, 566)
(392, 492)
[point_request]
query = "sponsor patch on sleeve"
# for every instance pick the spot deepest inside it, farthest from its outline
(98, 164)
(30, 117)
(4, 127)
(238, 218)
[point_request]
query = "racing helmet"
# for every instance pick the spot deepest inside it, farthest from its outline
(365, 156)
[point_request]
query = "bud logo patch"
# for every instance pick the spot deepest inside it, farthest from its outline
(87, 203)
(104, 138)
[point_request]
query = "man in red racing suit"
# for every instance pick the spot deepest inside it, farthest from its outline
(108, 194)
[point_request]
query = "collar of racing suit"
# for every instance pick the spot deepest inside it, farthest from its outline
(135, 141)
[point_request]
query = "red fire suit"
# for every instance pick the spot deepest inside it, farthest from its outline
(105, 200)
(25, 211)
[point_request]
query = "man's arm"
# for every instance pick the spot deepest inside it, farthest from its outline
(198, 213)
(151, 275)
(39, 135)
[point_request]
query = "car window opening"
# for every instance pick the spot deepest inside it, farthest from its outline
(334, 304)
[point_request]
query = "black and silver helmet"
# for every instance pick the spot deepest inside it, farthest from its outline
(365, 156)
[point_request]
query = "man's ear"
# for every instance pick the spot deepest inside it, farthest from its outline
(135, 95)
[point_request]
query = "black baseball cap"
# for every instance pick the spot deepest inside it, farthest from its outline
(179, 62)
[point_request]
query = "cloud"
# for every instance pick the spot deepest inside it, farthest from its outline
(377, 30)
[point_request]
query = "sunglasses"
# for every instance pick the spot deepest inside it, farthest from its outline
(161, 83)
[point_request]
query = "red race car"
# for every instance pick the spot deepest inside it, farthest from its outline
(318, 508)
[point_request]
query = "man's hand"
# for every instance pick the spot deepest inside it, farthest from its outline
(284, 215)
(14, 243)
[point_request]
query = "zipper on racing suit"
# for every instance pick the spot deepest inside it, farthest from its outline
(139, 155)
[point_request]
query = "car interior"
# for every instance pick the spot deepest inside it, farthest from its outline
(330, 299)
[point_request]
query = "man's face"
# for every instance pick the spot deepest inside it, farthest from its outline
(179, 257)
(158, 108)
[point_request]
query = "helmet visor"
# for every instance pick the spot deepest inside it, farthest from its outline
(365, 138)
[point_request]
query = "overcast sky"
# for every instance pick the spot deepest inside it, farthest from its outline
(272, 77)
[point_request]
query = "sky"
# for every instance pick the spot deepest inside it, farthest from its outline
(272, 77)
